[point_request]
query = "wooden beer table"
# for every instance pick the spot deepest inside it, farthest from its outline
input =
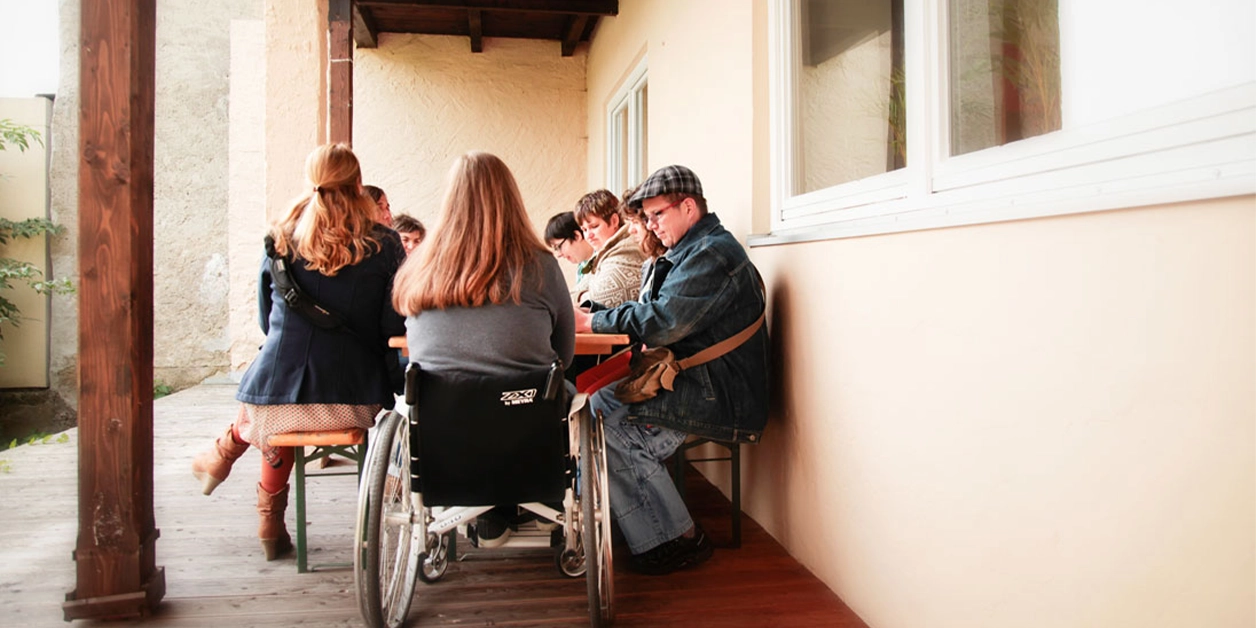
(586, 344)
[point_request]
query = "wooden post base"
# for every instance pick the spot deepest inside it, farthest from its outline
(121, 606)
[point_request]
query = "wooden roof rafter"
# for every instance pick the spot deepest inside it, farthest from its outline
(575, 28)
(365, 33)
(475, 25)
(567, 22)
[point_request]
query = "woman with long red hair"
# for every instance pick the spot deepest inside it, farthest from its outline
(308, 377)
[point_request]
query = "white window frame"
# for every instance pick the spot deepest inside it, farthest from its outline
(630, 99)
(1201, 147)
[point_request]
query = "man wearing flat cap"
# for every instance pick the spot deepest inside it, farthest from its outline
(704, 292)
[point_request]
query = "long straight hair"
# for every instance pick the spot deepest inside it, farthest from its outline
(481, 248)
(330, 226)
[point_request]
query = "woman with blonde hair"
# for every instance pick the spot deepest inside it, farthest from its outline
(308, 377)
(483, 295)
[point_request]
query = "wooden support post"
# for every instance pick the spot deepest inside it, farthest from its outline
(115, 555)
(475, 28)
(340, 71)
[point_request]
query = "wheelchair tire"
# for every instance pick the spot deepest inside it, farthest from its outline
(596, 521)
(387, 560)
(434, 561)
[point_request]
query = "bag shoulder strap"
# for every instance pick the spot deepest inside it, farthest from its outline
(728, 344)
(294, 297)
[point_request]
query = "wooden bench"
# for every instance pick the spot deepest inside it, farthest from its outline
(350, 443)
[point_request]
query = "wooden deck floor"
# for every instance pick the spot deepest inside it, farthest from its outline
(215, 575)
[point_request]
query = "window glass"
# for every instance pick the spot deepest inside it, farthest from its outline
(622, 159)
(643, 136)
(1005, 71)
(627, 131)
(851, 91)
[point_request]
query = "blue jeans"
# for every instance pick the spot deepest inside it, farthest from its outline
(643, 499)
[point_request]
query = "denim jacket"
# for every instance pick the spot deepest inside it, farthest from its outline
(704, 290)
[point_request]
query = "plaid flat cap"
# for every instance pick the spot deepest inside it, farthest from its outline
(667, 180)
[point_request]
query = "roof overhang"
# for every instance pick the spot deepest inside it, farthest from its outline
(569, 22)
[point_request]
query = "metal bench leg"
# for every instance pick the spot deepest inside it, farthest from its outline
(680, 461)
(734, 452)
(678, 470)
(300, 488)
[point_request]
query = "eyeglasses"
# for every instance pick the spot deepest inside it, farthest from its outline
(558, 247)
(653, 217)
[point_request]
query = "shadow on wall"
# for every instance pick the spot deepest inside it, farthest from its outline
(779, 436)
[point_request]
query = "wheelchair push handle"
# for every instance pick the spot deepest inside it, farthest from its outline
(412, 384)
(554, 383)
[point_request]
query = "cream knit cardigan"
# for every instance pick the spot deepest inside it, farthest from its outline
(614, 274)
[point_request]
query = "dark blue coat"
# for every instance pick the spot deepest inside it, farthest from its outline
(300, 363)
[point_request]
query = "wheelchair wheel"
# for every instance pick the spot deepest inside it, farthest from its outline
(435, 560)
(571, 562)
(386, 562)
(596, 521)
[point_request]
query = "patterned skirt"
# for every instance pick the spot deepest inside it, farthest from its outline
(256, 423)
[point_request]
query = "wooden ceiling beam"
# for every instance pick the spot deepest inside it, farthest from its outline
(581, 7)
(476, 29)
(575, 28)
(365, 34)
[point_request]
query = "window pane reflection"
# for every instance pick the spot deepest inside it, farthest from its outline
(1005, 71)
(850, 91)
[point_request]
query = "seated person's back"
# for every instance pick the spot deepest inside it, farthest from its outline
(483, 294)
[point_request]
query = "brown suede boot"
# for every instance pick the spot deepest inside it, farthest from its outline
(212, 467)
(271, 531)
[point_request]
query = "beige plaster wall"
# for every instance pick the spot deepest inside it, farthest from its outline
(191, 182)
(1038, 423)
(63, 191)
(701, 107)
(246, 195)
(24, 195)
(421, 101)
(295, 102)
(190, 190)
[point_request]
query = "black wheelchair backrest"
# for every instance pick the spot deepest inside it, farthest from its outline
(487, 440)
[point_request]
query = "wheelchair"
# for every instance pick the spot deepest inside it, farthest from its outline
(469, 444)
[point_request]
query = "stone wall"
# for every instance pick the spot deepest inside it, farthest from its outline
(190, 195)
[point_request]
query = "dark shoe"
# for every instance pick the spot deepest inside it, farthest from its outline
(674, 555)
(491, 530)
